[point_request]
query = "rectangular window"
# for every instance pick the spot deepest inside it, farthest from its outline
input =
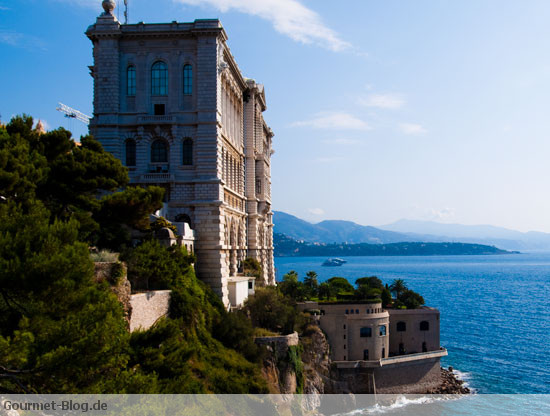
(187, 80)
(131, 81)
(382, 329)
(365, 332)
(159, 109)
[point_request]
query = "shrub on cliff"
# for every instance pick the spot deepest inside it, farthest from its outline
(270, 309)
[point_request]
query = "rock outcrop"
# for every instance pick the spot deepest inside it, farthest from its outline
(316, 359)
(450, 384)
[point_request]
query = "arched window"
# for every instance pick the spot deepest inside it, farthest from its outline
(366, 355)
(187, 80)
(401, 326)
(187, 151)
(159, 152)
(130, 152)
(382, 330)
(424, 347)
(131, 81)
(184, 218)
(159, 79)
(424, 326)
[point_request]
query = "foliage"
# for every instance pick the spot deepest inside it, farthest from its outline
(386, 297)
(397, 287)
(340, 285)
(161, 222)
(152, 266)
(372, 282)
(311, 284)
(69, 181)
(270, 309)
(60, 331)
(411, 300)
(294, 359)
(235, 330)
(252, 267)
(291, 287)
(103, 256)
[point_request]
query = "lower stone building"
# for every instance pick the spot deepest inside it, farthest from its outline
(377, 350)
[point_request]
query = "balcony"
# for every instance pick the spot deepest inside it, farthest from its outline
(157, 177)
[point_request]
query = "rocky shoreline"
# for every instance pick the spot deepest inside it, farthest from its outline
(450, 384)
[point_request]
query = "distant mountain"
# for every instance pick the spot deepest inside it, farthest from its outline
(288, 247)
(335, 231)
(482, 234)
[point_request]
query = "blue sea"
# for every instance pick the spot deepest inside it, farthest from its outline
(495, 310)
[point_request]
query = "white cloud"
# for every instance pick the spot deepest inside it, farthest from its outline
(444, 214)
(341, 141)
(288, 17)
(389, 101)
(334, 120)
(316, 211)
(412, 129)
(21, 40)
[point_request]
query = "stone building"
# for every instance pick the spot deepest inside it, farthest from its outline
(171, 103)
(381, 350)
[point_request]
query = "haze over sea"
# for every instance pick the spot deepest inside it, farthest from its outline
(495, 310)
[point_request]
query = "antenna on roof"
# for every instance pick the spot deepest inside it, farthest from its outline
(125, 12)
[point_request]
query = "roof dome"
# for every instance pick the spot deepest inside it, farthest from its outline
(109, 6)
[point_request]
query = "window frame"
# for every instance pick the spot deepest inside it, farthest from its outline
(130, 144)
(187, 156)
(154, 151)
(188, 79)
(131, 81)
(365, 332)
(159, 79)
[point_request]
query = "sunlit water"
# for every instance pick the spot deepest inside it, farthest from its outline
(495, 310)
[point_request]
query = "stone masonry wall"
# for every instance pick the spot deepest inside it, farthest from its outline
(148, 308)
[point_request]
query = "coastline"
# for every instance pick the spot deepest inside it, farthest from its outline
(450, 384)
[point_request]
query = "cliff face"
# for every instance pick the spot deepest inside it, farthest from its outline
(282, 366)
(315, 357)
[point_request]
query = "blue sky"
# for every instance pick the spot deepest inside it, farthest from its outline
(435, 110)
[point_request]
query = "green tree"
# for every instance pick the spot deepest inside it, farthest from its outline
(252, 267)
(292, 287)
(311, 284)
(386, 297)
(411, 299)
(60, 331)
(340, 286)
(326, 291)
(397, 287)
(269, 309)
(372, 282)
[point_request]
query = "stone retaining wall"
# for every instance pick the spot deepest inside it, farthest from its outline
(148, 308)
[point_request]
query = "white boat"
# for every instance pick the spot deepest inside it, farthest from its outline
(334, 262)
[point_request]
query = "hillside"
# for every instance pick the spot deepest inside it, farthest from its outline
(289, 247)
(335, 231)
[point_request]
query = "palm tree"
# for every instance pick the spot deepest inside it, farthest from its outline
(398, 286)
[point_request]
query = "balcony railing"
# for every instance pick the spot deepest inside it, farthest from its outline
(156, 119)
(157, 177)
